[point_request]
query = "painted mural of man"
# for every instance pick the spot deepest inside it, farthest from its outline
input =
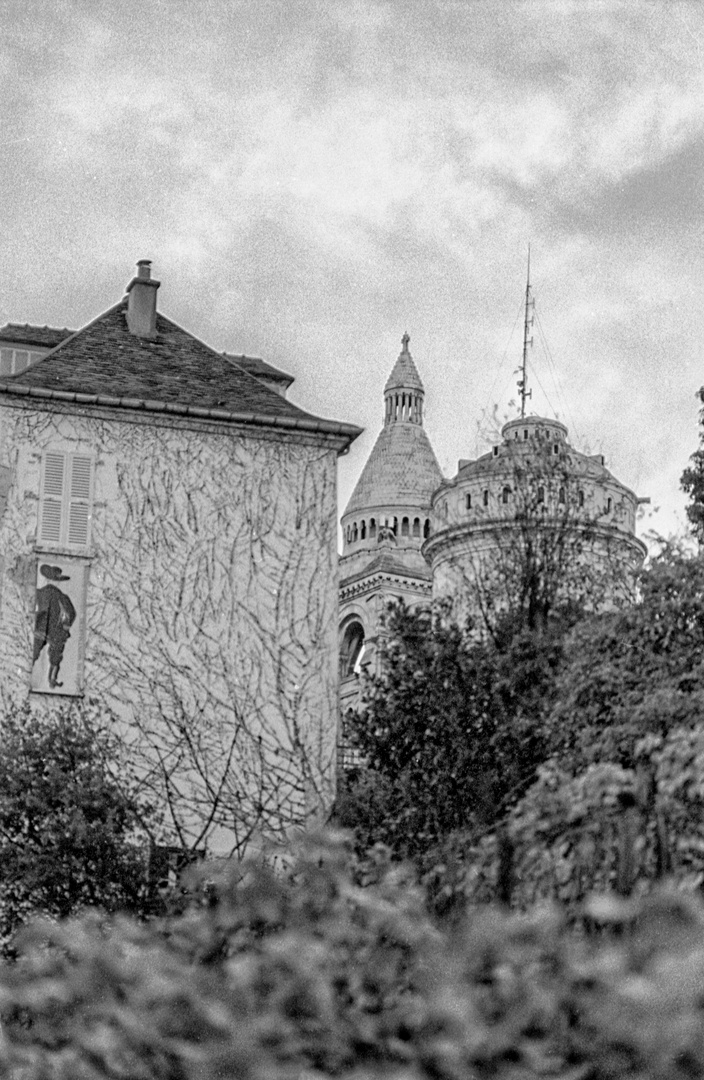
(55, 614)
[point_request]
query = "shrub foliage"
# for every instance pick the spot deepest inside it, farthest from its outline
(332, 967)
(540, 763)
(74, 830)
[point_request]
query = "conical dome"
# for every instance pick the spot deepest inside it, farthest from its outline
(402, 469)
(405, 373)
(391, 502)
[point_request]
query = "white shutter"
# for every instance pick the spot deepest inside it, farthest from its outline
(65, 505)
(51, 507)
(79, 500)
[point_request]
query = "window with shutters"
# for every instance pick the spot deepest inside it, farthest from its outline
(66, 499)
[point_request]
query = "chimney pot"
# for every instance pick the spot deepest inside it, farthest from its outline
(141, 301)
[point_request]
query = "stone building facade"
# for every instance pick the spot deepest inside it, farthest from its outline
(168, 549)
(533, 505)
(385, 524)
(535, 508)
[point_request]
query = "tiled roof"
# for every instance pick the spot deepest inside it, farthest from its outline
(401, 470)
(106, 364)
(387, 562)
(25, 334)
(260, 369)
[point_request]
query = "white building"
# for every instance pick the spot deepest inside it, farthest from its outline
(168, 550)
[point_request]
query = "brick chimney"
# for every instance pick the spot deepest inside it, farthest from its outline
(141, 302)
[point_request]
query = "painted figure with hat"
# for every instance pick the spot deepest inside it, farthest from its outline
(55, 614)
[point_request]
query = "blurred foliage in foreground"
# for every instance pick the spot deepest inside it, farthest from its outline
(328, 966)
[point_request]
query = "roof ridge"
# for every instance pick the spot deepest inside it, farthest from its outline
(106, 365)
(71, 337)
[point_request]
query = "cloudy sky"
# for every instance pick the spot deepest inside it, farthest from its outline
(314, 177)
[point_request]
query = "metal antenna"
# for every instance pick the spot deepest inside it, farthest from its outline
(523, 390)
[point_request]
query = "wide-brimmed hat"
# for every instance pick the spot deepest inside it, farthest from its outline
(53, 573)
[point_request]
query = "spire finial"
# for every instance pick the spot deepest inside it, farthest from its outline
(404, 341)
(523, 392)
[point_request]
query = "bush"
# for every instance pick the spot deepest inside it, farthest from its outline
(74, 828)
(331, 967)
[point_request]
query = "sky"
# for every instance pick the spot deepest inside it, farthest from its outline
(313, 178)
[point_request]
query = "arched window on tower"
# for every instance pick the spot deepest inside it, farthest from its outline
(468, 502)
(355, 534)
(363, 531)
(351, 649)
(506, 496)
(372, 528)
(541, 494)
(404, 527)
(561, 495)
(580, 498)
(485, 498)
(416, 527)
(426, 529)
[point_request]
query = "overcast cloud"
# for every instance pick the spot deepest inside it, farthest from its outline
(311, 179)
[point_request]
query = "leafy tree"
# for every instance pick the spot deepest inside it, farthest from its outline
(619, 801)
(692, 481)
(74, 829)
(450, 731)
(633, 672)
(513, 766)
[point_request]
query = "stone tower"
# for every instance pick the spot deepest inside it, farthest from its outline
(533, 522)
(385, 524)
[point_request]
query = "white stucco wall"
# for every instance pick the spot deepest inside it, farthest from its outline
(211, 622)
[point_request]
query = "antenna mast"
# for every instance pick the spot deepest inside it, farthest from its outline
(523, 390)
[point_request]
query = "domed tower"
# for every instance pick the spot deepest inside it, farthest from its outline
(531, 524)
(386, 522)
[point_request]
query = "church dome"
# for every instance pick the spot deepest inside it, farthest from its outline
(393, 493)
(402, 468)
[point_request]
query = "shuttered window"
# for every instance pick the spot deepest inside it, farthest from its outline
(66, 499)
